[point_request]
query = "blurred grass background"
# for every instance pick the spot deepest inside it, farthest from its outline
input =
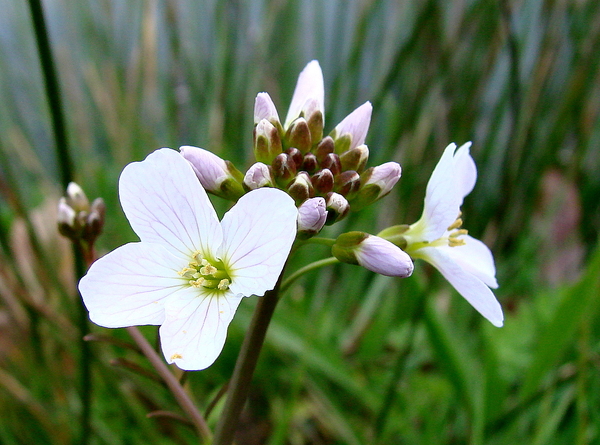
(351, 358)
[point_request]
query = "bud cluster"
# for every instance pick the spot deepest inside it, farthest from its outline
(77, 219)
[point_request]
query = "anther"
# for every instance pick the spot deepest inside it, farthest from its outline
(456, 224)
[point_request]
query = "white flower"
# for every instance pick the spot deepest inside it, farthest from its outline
(189, 272)
(437, 238)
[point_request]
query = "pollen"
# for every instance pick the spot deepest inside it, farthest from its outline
(204, 273)
(176, 356)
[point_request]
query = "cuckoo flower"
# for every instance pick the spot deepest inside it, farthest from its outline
(189, 272)
(437, 237)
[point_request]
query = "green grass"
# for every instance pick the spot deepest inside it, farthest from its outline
(350, 358)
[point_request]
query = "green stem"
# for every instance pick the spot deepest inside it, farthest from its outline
(239, 385)
(163, 370)
(312, 266)
(324, 241)
(52, 92)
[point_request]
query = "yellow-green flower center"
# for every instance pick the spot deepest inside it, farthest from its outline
(201, 272)
(451, 238)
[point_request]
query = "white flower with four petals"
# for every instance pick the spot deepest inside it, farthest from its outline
(189, 272)
(437, 237)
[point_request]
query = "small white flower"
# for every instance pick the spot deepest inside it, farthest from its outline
(437, 237)
(189, 272)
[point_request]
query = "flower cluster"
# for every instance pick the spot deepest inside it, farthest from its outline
(189, 271)
(318, 172)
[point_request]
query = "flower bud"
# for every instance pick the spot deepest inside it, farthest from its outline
(322, 181)
(298, 135)
(301, 188)
(264, 108)
(332, 162)
(296, 156)
(376, 182)
(325, 147)
(311, 217)
(76, 198)
(94, 221)
(314, 119)
(216, 175)
(355, 158)
(372, 253)
(310, 163)
(284, 169)
(258, 175)
(347, 184)
(267, 143)
(337, 207)
(352, 131)
(395, 235)
(66, 218)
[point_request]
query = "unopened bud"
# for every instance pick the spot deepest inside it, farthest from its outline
(325, 147)
(66, 218)
(347, 184)
(94, 221)
(323, 181)
(355, 158)
(312, 215)
(352, 131)
(296, 156)
(395, 235)
(284, 169)
(267, 143)
(372, 253)
(332, 162)
(258, 175)
(337, 207)
(76, 198)
(314, 119)
(376, 182)
(216, 175)
(301, 188)
(264, 108)
(298, 135)
(310, 163)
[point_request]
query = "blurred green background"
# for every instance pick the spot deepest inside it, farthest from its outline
(351, 357)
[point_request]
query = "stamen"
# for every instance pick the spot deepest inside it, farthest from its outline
(458, 233)
(456, 224)
(455, 242)
(208, 269)
(223, 284)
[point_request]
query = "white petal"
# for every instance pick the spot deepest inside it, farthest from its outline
(442, 198)
(264, 108)
(258, 233)
(193, 333)
(356, 124)
(469, 286)
(309, 86)
(210, 169)
(465, 170)
(165, 204)
(381, 256)
(128, 286)
(475, 258)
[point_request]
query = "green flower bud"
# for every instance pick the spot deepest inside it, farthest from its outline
(355, 158)
(301, 188)
(267, 143)
(298, 135)
(284, 169)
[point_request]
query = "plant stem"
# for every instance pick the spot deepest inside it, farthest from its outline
(239, 385)
(312, 266)
(163, 370)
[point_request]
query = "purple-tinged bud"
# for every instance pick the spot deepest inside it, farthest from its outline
(355, 158)
(94, 221)
(337, 207)
(376, 182)
(372, 253)
(264, 108)
(325, 147)
(216, 175)
(296, 156)
(314, 118)
(267, 143)
(311, 217)
(258, 175)
(323, 181)
(347, 184)
(332, 162)
(352, 131)
(284, 169)
(301, 188)
(66, 218)
(310, 163)
(298, 135)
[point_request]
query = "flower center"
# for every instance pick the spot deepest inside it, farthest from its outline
(201, 272)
